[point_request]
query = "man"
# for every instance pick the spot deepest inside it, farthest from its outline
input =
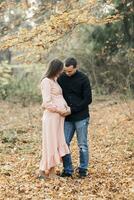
(77, 93)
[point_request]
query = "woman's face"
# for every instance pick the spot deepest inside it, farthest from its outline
(59, 73)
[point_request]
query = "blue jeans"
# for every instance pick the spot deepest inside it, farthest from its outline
(81, 128)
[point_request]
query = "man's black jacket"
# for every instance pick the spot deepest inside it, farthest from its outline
(77, 93)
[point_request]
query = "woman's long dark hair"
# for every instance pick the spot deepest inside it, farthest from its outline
(53, 69)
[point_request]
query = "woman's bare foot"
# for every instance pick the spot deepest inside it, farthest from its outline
(47, 173)
(52, 172)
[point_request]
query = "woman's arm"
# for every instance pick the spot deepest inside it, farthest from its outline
(46, 96)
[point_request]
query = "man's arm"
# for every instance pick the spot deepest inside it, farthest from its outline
(87, 97)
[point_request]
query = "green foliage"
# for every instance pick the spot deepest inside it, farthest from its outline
(104, 52)
(107, 53)
(23, 88)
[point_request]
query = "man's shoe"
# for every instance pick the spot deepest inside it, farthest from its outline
(82, 174)
(64, 174)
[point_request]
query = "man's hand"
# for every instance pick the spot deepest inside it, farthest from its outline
(66, 113)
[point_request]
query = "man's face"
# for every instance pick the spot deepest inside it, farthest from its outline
(70, 70)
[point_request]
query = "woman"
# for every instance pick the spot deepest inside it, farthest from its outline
(55, 108)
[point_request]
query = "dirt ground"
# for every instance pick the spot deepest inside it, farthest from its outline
(111, 169)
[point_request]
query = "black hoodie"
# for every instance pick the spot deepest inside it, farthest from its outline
(77, 93)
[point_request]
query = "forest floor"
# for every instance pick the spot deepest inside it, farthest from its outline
(111, 169)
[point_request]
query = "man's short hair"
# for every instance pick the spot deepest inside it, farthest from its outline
(71, 61)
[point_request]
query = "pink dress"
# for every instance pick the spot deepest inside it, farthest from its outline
(53, 141)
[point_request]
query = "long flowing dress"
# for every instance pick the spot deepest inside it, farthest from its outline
(54, 146)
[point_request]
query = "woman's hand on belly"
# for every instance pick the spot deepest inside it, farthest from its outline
(51, 108)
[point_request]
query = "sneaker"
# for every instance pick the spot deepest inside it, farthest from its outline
(64, 174)
(82, 174)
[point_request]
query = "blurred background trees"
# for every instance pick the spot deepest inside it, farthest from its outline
(104, 50)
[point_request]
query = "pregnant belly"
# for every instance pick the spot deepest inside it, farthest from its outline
(60, 103)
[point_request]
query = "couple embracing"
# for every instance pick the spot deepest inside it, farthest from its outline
(66, 95)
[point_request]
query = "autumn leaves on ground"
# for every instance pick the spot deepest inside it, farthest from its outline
(111, 155)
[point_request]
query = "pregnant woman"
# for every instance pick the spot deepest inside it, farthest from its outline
(55, 109)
